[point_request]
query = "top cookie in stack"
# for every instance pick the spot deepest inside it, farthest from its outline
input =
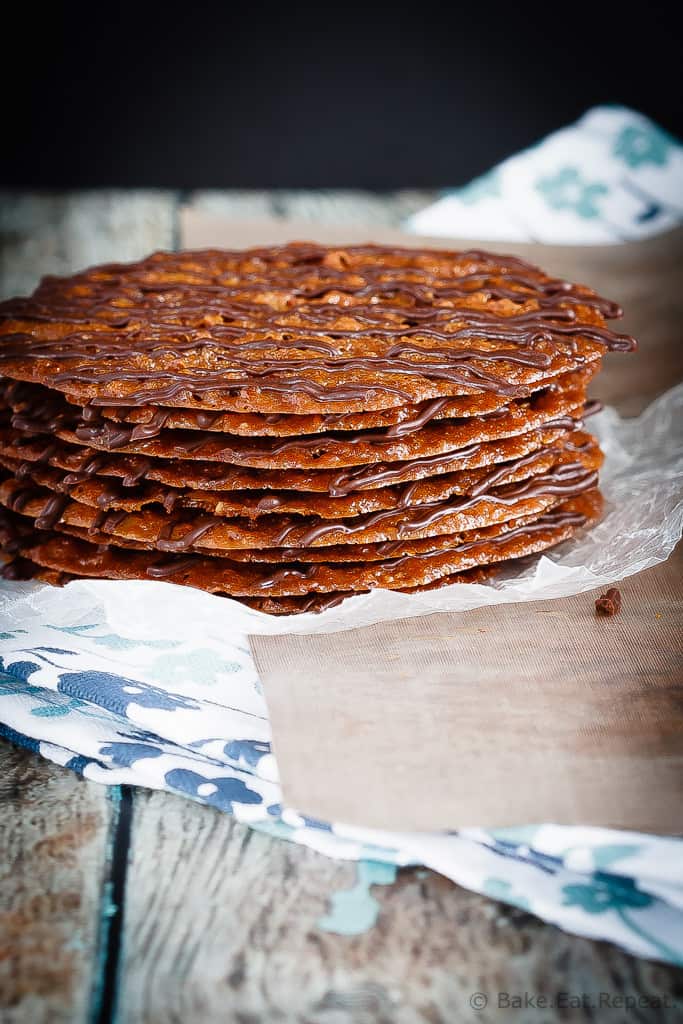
(292, 425)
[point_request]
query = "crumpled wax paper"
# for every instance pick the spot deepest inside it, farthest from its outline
(641, 480)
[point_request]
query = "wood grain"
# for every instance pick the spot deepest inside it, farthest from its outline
(56, 831)
(221, 926)
(59, 234)
(54, 834)
(352, 207)
(234, 204)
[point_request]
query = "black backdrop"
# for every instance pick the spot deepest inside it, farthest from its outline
(313, 96)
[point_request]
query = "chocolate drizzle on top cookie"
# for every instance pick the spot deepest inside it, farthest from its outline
(241, 320)
(292, 425)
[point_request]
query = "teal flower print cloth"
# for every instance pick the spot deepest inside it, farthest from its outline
(611, 177)
(567, 190)
(641, 144)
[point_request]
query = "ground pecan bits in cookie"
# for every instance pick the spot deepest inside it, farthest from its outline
(295, 425)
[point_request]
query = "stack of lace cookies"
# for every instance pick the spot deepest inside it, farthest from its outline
(292, 426)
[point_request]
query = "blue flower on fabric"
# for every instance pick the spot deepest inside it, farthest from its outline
(606, 892)
(137, 735)
(18, 738)
(249, 751)
(16, 672)
(567, 190)
(522, 835)
(355, 910)
(78, 763)
(219, 793)
(643, 144)
(620, 895)
(56, 710)
(117, 693)
(14, 682)
(124, 755)
(277, 829)
(605, 855)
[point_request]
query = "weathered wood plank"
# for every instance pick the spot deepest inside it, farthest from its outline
(54, 838)
(351, 206)
(58, 234)
(239, 205)
(221, 925)
(55, 834)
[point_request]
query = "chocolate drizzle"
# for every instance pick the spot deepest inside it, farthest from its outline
(94, 427)
(240, 450)
(549, 521)
(322, 602)
(268, 502)
(307, 573)
(228, 314)
(166, 542)
(52, 511)
(132, 478)
(170, 567)
(359, 477)
(92, 463)
(566, 480)
(426, 414)
(26, 541)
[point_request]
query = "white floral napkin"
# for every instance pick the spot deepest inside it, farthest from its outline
(613, 176)
(169, 714)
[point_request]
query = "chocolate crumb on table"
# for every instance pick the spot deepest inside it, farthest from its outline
(609, 603)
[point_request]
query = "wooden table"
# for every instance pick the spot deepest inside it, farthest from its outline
(152, 908)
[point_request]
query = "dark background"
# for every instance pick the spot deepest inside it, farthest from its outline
(314, 96)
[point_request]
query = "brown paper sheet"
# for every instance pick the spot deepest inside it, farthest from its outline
(519, 713)
(511, 714)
